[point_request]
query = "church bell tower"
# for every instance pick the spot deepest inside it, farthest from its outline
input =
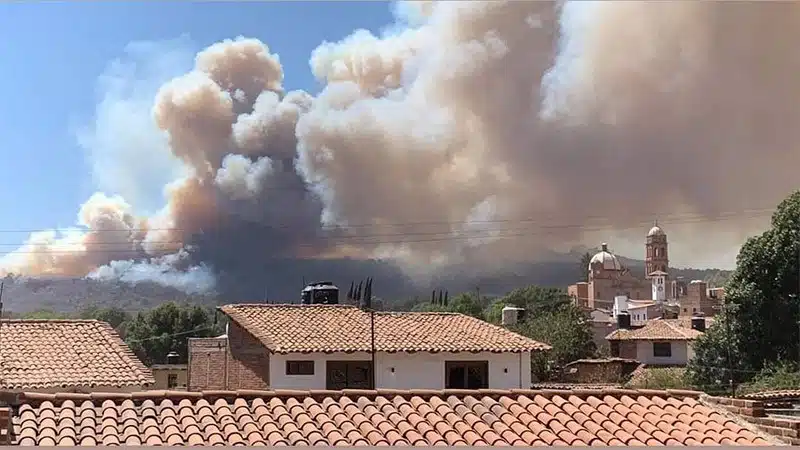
(657, 257)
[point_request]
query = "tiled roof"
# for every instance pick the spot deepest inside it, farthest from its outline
(658, 329)
(351, 418)
(574, 386)
(785, 394)
(339, 328)
(686, 322)
(43, 354)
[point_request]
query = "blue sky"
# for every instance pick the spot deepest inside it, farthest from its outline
(53, 54)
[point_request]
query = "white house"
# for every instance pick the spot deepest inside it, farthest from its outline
(331, 347)
(657, 342)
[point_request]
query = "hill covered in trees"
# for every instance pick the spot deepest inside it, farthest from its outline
(277, 284)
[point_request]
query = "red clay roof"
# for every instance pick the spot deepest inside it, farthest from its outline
(44, 354)
(342, 328)
(784, 394)
(350, 418)
(655, 330)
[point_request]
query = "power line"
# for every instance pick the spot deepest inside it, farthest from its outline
(759, 212)
(166, 336)
(451, 235)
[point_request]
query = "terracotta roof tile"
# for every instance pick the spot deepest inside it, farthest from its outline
(351, 418)
(335, 328)
(686, 322)
(658, 329)
(785, 394)
(42, 354)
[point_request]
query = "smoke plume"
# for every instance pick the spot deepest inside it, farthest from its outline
(477, 133)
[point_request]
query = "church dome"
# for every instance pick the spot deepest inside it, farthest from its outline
(655, 231)
(609, 261)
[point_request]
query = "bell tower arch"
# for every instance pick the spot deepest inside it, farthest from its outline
(656, 251)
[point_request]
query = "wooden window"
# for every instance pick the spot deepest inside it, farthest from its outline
(299, 367)
(172, 380)
(466, 374)
(662, 349)
(348, 375)
(614, 348)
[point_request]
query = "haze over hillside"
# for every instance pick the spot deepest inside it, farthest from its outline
(283, 285)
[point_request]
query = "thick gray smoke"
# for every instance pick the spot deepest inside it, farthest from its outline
(482, 134)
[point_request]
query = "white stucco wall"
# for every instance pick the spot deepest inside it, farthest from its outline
(411, 370)
(681, 353)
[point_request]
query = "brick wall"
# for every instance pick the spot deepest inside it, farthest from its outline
(248, 362)
(624, 349)
(236, 362)
(207, 363)
(754, 412)
(599, 371)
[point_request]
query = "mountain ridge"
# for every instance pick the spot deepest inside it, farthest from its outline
(282, 280)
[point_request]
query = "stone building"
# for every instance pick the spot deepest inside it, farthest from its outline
(608, 278)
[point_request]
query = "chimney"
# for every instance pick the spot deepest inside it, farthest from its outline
(511, 315)
(624, 321)
(172, 358)
(699, 323)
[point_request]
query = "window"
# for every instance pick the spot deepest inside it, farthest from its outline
(614, 349)
(348, 375)
(299, 367)
(172, 380)
(662, 349)
(466, 374)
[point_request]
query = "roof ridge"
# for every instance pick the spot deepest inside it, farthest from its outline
(17, 398)
(424, 313)
(683, 331)
(285, 305)
(50, 320)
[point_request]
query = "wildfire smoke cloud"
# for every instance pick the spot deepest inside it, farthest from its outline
(484, 111)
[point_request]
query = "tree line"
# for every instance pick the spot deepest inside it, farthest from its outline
(551, 317)
(154, 333)
(756, 336)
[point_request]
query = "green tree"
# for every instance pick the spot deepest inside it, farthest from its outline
(168, 327)
(536, 299)
(566, 329)
(44, 314)
(760, 322)
(465, 303)
(115, 317)
(583, 272)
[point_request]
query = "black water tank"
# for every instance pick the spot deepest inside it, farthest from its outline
(699, 323)
(624, 321)
(172, 358)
